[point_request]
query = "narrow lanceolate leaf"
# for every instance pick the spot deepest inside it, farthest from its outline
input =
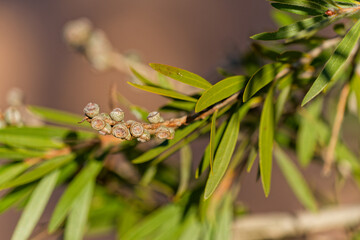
(261, 78)
(212, 139)
(18, 153)
(336, 61)
(181, 75)
(251, 159)
(41, 170)
(75, 225)
(143, 79)
(225, 150)
(179, 135)
(266, 140)
(15, 196)
(10, 171)
(62, 208)
(185, 169)
(300, 10)
(295, 180)
(221, 90)
(164, 92)
(57, 116)
(35, 206)
(292, 30)
(355, 87)
(307, 136)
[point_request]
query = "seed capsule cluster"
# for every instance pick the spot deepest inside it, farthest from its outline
(114, 124)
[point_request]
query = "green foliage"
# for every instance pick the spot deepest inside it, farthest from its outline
(131, 188)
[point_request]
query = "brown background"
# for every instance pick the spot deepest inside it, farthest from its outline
(194, 35)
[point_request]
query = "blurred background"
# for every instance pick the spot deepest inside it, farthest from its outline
(195, 35)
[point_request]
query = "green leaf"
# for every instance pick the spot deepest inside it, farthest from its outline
(294, 29)
(151, 223)
(212, 139)
(75, 225)
(39, 171)
(261, 78)
(295, 180)
(307, 136)
(281, 18)
(18, 153)
(10, 171)
(355, 86)
(143, 79)
(179, 135)
(251, 159)
(178, 106)
(185, 169)
(336, 61)
(281, 101)
(40, 137)
(164, 92)
(266, 140)
(300, 10)
(56, 116)
(15, 196)
(88, 173)
(221, 90)
(181, 75)
(35, 206)
(313, 4)
(205, 161)
(224, 220)
(225, 150)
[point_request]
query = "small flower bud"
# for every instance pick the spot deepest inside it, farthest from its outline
(117, 115)
(163, 132)
(121, 131)
(136, 129)
(12, 116)
(154, 117)
(106, 130)
(98, 123)
(91, 110)
(145, 137)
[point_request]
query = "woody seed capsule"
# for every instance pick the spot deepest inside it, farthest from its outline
(154, 117)
(106, 130)
(145, 137)
(163, 132)
(91, 110)
(136, 129)
(98, 123)
(121, 131)
(117, 115)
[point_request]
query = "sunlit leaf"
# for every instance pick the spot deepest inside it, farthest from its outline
(181, 75)
(18, 153)
(355, 86)
(35, 206)
(220, 91)
(336, 61)
(39, 171)
(10, 171)
(261, 78)
(185, 169)
(251, 159)
(295, 180)
(76, 223)
(15, 196)
(266, 140)
(88, 173)
(164, 92)
(225, 150)
(57, 116)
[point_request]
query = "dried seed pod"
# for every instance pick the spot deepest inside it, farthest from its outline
(145, 137)
(330, 12)
(98, 50)
(129, 122)
(154, 117)
(163, 132)
(121, 131)
(12, 116)
(105, 116)
(98, 123)
(117, 115)
(106, 130)
(136, 129)
(91, 110)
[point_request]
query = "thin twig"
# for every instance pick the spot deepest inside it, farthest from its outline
(329, 156)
